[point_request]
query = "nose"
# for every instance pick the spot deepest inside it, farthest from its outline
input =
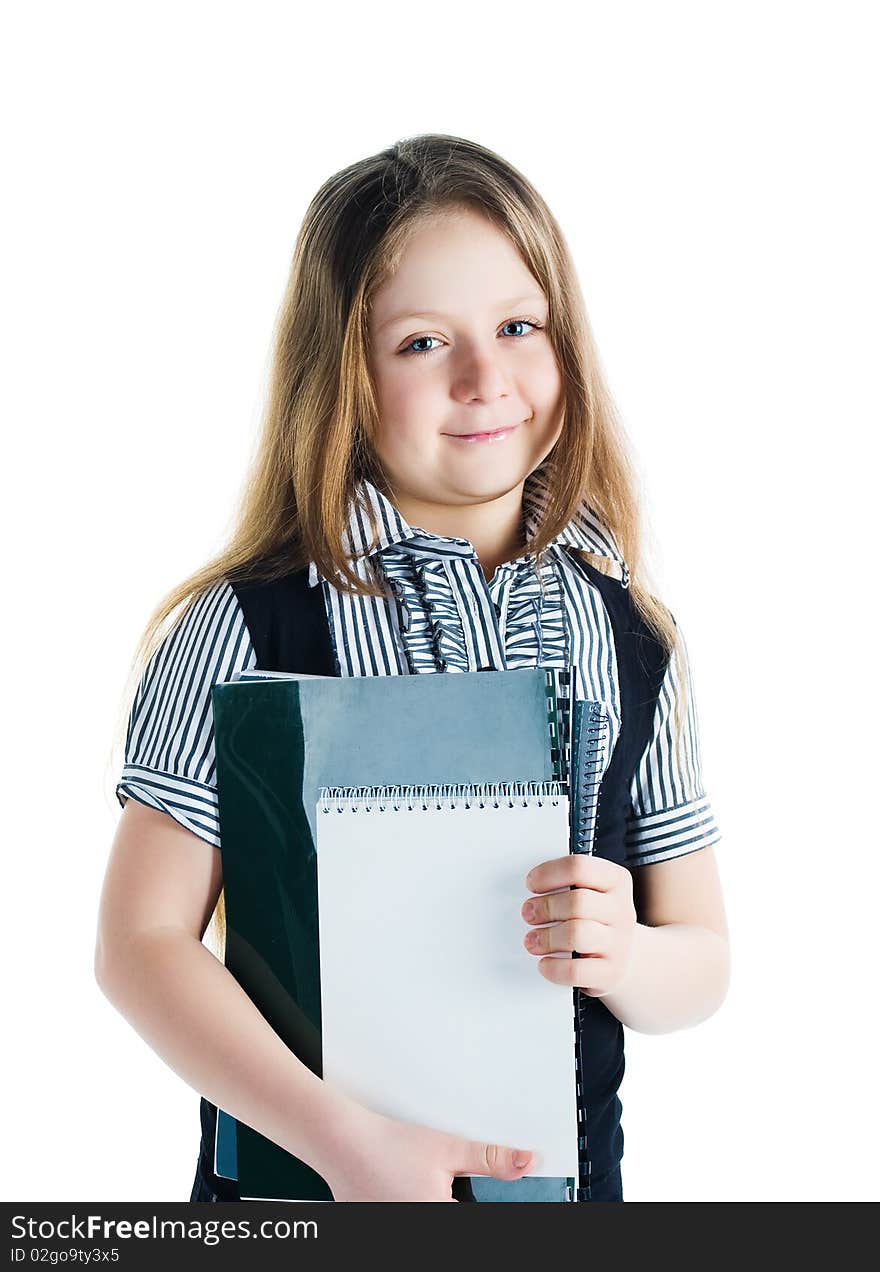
(480, 376)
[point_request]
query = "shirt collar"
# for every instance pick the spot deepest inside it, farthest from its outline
(585, 530)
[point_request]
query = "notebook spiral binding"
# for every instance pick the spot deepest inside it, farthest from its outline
(451, 796)
(561, 687)
(590, 744)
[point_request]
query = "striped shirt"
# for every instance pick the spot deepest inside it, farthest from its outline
(442, 616)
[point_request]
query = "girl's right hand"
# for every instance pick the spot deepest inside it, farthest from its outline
(390, 1160)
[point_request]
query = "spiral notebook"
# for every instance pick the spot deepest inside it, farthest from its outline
(298, 763)
(432, 1010)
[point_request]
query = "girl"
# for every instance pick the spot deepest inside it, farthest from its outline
(441, 486)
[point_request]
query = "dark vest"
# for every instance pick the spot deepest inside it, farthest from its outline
(289, 629)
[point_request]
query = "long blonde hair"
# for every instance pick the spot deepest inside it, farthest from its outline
(320, 412)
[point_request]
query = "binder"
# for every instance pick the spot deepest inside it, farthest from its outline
(283, 741)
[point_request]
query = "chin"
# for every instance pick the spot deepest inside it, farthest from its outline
(483, 487)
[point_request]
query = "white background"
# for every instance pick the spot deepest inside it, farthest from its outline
(713, 168)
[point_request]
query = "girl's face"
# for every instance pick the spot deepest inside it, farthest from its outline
(459, 349)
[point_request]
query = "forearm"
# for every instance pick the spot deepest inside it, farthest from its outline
(678, 976)
(190, 1009)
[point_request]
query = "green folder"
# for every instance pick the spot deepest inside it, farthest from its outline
(280, 738)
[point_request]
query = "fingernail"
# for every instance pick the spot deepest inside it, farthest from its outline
(520, 1159)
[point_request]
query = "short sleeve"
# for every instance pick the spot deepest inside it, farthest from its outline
(169, 751)
(670, 813)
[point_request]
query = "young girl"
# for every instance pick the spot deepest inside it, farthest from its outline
(441, 486)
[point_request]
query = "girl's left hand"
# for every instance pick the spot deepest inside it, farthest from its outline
(595, 916)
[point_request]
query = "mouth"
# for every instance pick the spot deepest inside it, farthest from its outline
(496, 435)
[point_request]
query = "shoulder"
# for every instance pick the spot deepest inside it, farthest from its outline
(265, 583)
(269, 596)
(286, 618)
(604, 576)
(639, 651)
(210, 614)
(599, 570)
(208, 641)
(169, 751)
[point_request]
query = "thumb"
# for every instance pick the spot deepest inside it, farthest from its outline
(476, 1158)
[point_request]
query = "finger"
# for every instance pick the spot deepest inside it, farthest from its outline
(584, 935)
(577, 869)
(589, 974)
(569, 903)
(476, 1158)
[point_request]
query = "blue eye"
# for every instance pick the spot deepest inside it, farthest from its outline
(522, 322)
(418, 340)
(409, 351)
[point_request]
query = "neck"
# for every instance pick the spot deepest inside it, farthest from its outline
(495, 528)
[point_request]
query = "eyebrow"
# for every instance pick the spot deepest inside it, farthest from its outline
(529, 298)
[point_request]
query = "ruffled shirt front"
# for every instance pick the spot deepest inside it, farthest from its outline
(522, 623)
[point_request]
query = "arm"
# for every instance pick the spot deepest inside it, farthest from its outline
(159, 892)
(679, 971)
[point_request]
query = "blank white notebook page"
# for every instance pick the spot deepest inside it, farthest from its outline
(432, 1009)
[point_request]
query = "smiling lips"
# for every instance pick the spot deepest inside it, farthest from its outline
(498, 435)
